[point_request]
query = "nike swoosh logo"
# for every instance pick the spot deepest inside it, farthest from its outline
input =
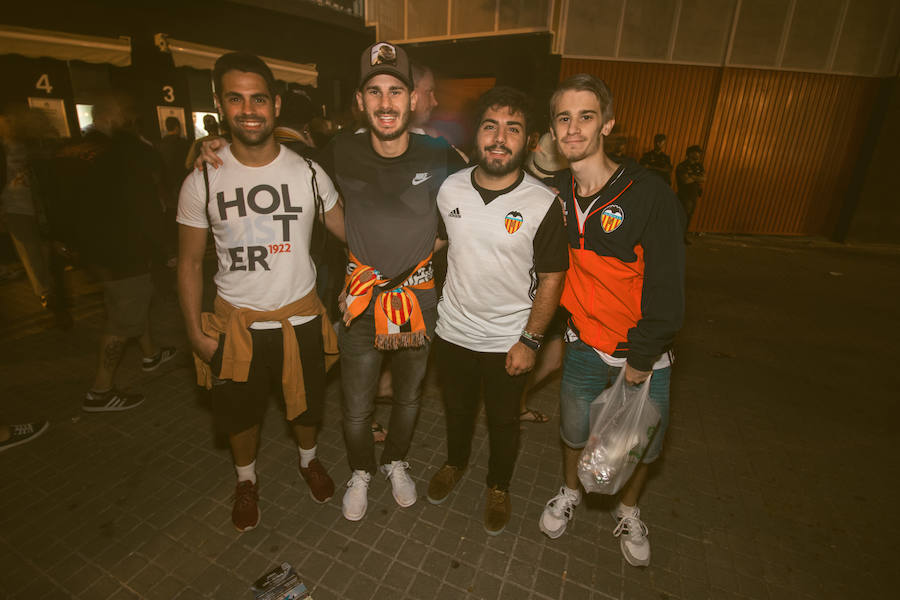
(420, 177)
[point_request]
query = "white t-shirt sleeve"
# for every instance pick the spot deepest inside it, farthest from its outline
(192, 201)
(326, 187)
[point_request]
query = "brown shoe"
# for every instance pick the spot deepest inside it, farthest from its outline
(321, 486)
(245, 513)
(443, 483)
(496, 511)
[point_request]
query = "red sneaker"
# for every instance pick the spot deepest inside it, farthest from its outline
(321, 486)
(245, 513)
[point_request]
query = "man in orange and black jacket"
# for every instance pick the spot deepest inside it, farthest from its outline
(624, 289)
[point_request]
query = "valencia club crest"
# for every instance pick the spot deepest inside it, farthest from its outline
(611, 218)
(397, 305)
(513, 221)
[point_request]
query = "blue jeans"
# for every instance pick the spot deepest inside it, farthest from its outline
(360, 370)
(585, 375)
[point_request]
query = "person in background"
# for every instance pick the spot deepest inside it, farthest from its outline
(691, 176)
(657, 161)
(211, 126)
(107, 207)
(173, 148)
(21, 210)
(546, 164)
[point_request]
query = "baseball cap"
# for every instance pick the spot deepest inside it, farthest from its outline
(383, 57)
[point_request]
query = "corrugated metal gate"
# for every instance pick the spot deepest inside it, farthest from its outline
(780, 145)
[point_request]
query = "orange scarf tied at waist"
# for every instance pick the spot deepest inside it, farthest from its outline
(398, 318)
(237, 353)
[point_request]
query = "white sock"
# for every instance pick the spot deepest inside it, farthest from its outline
(306, 456)
(576, 492)
(247, 473)
(623, 510)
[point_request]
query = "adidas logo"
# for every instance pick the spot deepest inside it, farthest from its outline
(455, 213)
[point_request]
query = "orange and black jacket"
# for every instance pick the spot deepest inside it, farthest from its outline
(625, 283)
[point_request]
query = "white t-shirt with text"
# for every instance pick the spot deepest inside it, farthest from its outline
(262, 220)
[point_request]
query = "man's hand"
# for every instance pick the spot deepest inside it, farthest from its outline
(205, 347)
(635, 377)
(208, 148)
(520, 359)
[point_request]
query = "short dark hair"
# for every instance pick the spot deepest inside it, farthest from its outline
(505, 97)
(694, 148)
(242, 61)
(173, 124)
(586, 83)
(659, 137)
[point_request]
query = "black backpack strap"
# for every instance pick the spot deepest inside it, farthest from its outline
(319, 203)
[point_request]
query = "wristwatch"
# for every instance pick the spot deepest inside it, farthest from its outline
(531, 340)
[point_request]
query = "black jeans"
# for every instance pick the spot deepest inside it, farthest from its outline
(463, 374)
(360, 370)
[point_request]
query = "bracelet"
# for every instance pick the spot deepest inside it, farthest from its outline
(537, 337)
(530, 342)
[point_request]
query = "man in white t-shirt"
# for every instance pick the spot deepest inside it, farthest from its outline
(506, 265)
(268, 332)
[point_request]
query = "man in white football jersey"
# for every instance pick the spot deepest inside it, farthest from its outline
(506, 265)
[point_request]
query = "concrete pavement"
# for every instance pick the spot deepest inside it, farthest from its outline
(778, 479)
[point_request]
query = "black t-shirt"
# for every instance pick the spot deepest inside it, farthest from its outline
(390, 203)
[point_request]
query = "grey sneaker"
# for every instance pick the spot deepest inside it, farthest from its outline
(632, 534)
(23, 433)
(402, 486)
(111, 401)
(559, 511)
(153, 362)
(356, 498)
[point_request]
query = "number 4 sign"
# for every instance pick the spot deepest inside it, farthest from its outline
(43, 83)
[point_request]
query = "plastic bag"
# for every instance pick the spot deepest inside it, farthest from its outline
(623, 422)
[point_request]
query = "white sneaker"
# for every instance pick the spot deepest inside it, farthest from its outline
(356, 498)
(632, 534)
(403, 486)
(559, 511)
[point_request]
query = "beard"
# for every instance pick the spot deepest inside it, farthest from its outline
(252, 138)
(496, 166)
(402, 121)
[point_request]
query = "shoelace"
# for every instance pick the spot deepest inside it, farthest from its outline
(447, 474)
(357, 478)
(244, 495)
(630, 526)
(24, 429)
(562, 504)
(400, 467)
(496, 496)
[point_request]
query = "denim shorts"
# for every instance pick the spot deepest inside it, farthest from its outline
(585, 375)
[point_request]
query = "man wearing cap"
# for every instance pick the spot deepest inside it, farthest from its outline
(389, 180)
